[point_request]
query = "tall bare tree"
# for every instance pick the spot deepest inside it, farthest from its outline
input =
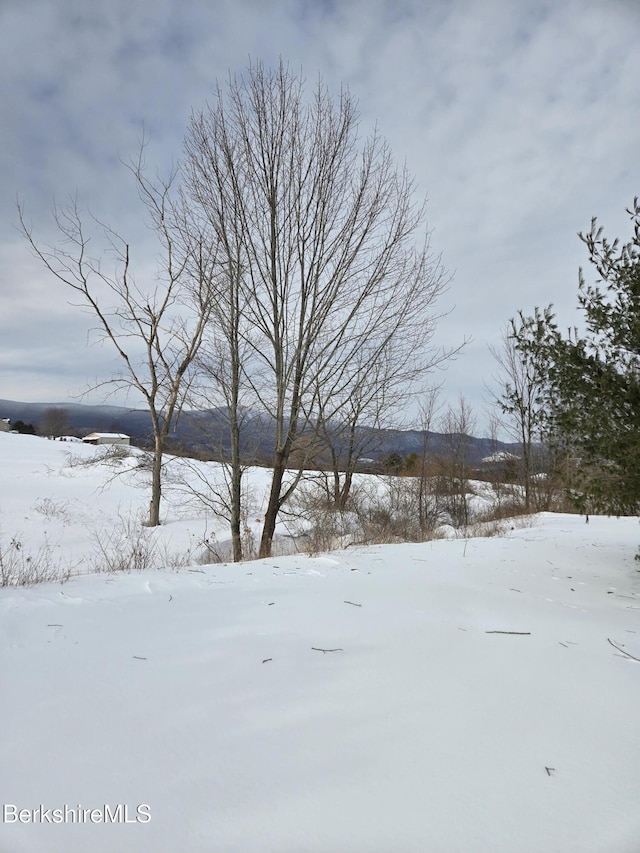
(156, 329)
(518, 398)
(213, 201)
(457, 425)
(322, 236)
(427, 508)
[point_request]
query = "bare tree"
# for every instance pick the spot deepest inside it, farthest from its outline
(156, 330)
(457, 425)
(377, 383)
(518, 398)
(219, 386)
(427, 508)
(347, 433)
(322, 237)
(54, 422)
(213, 193)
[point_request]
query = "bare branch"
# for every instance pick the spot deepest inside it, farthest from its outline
(156, 330)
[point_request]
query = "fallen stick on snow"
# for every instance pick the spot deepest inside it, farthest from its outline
(324, 651)
(622, 651)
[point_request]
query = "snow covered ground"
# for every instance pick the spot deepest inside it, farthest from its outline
(448, 696)
(60, 498)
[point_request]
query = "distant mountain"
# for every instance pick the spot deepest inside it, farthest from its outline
(84, 419)
(194, 430)
(203, 432)
(406, 442)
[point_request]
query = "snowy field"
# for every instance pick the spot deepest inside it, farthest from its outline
(458, 695)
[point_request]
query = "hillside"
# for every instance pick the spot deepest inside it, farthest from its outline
(205, 431)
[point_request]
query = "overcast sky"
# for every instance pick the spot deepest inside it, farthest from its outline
(520, 120)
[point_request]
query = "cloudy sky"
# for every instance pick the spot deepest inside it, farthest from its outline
(519, 120)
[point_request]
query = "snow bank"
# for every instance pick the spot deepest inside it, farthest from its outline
(447, 696)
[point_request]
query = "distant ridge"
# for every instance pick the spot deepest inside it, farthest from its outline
(83, 418)
(203, 432)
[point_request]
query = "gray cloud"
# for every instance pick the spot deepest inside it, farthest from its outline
(519, 120)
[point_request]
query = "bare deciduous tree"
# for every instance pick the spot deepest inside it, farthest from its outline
(457, 425)
(54, 422)
(322, 240)
(155, 329)
(377, 383)
(427, 507)
(520, 385)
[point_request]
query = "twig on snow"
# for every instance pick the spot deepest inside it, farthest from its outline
(324, 651)
(622, 651)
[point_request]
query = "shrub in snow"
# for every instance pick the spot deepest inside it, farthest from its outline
(129, 546)
(21, 567)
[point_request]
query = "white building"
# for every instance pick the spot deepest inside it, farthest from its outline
(107, 438)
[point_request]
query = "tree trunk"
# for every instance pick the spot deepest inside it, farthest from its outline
(156, 485)
(235, 488)
(236, 516)
(273, 506)
(336, 486)
(422, 495)
(345, 491)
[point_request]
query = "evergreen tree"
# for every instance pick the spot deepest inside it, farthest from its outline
(23, 428)
(591, 392)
